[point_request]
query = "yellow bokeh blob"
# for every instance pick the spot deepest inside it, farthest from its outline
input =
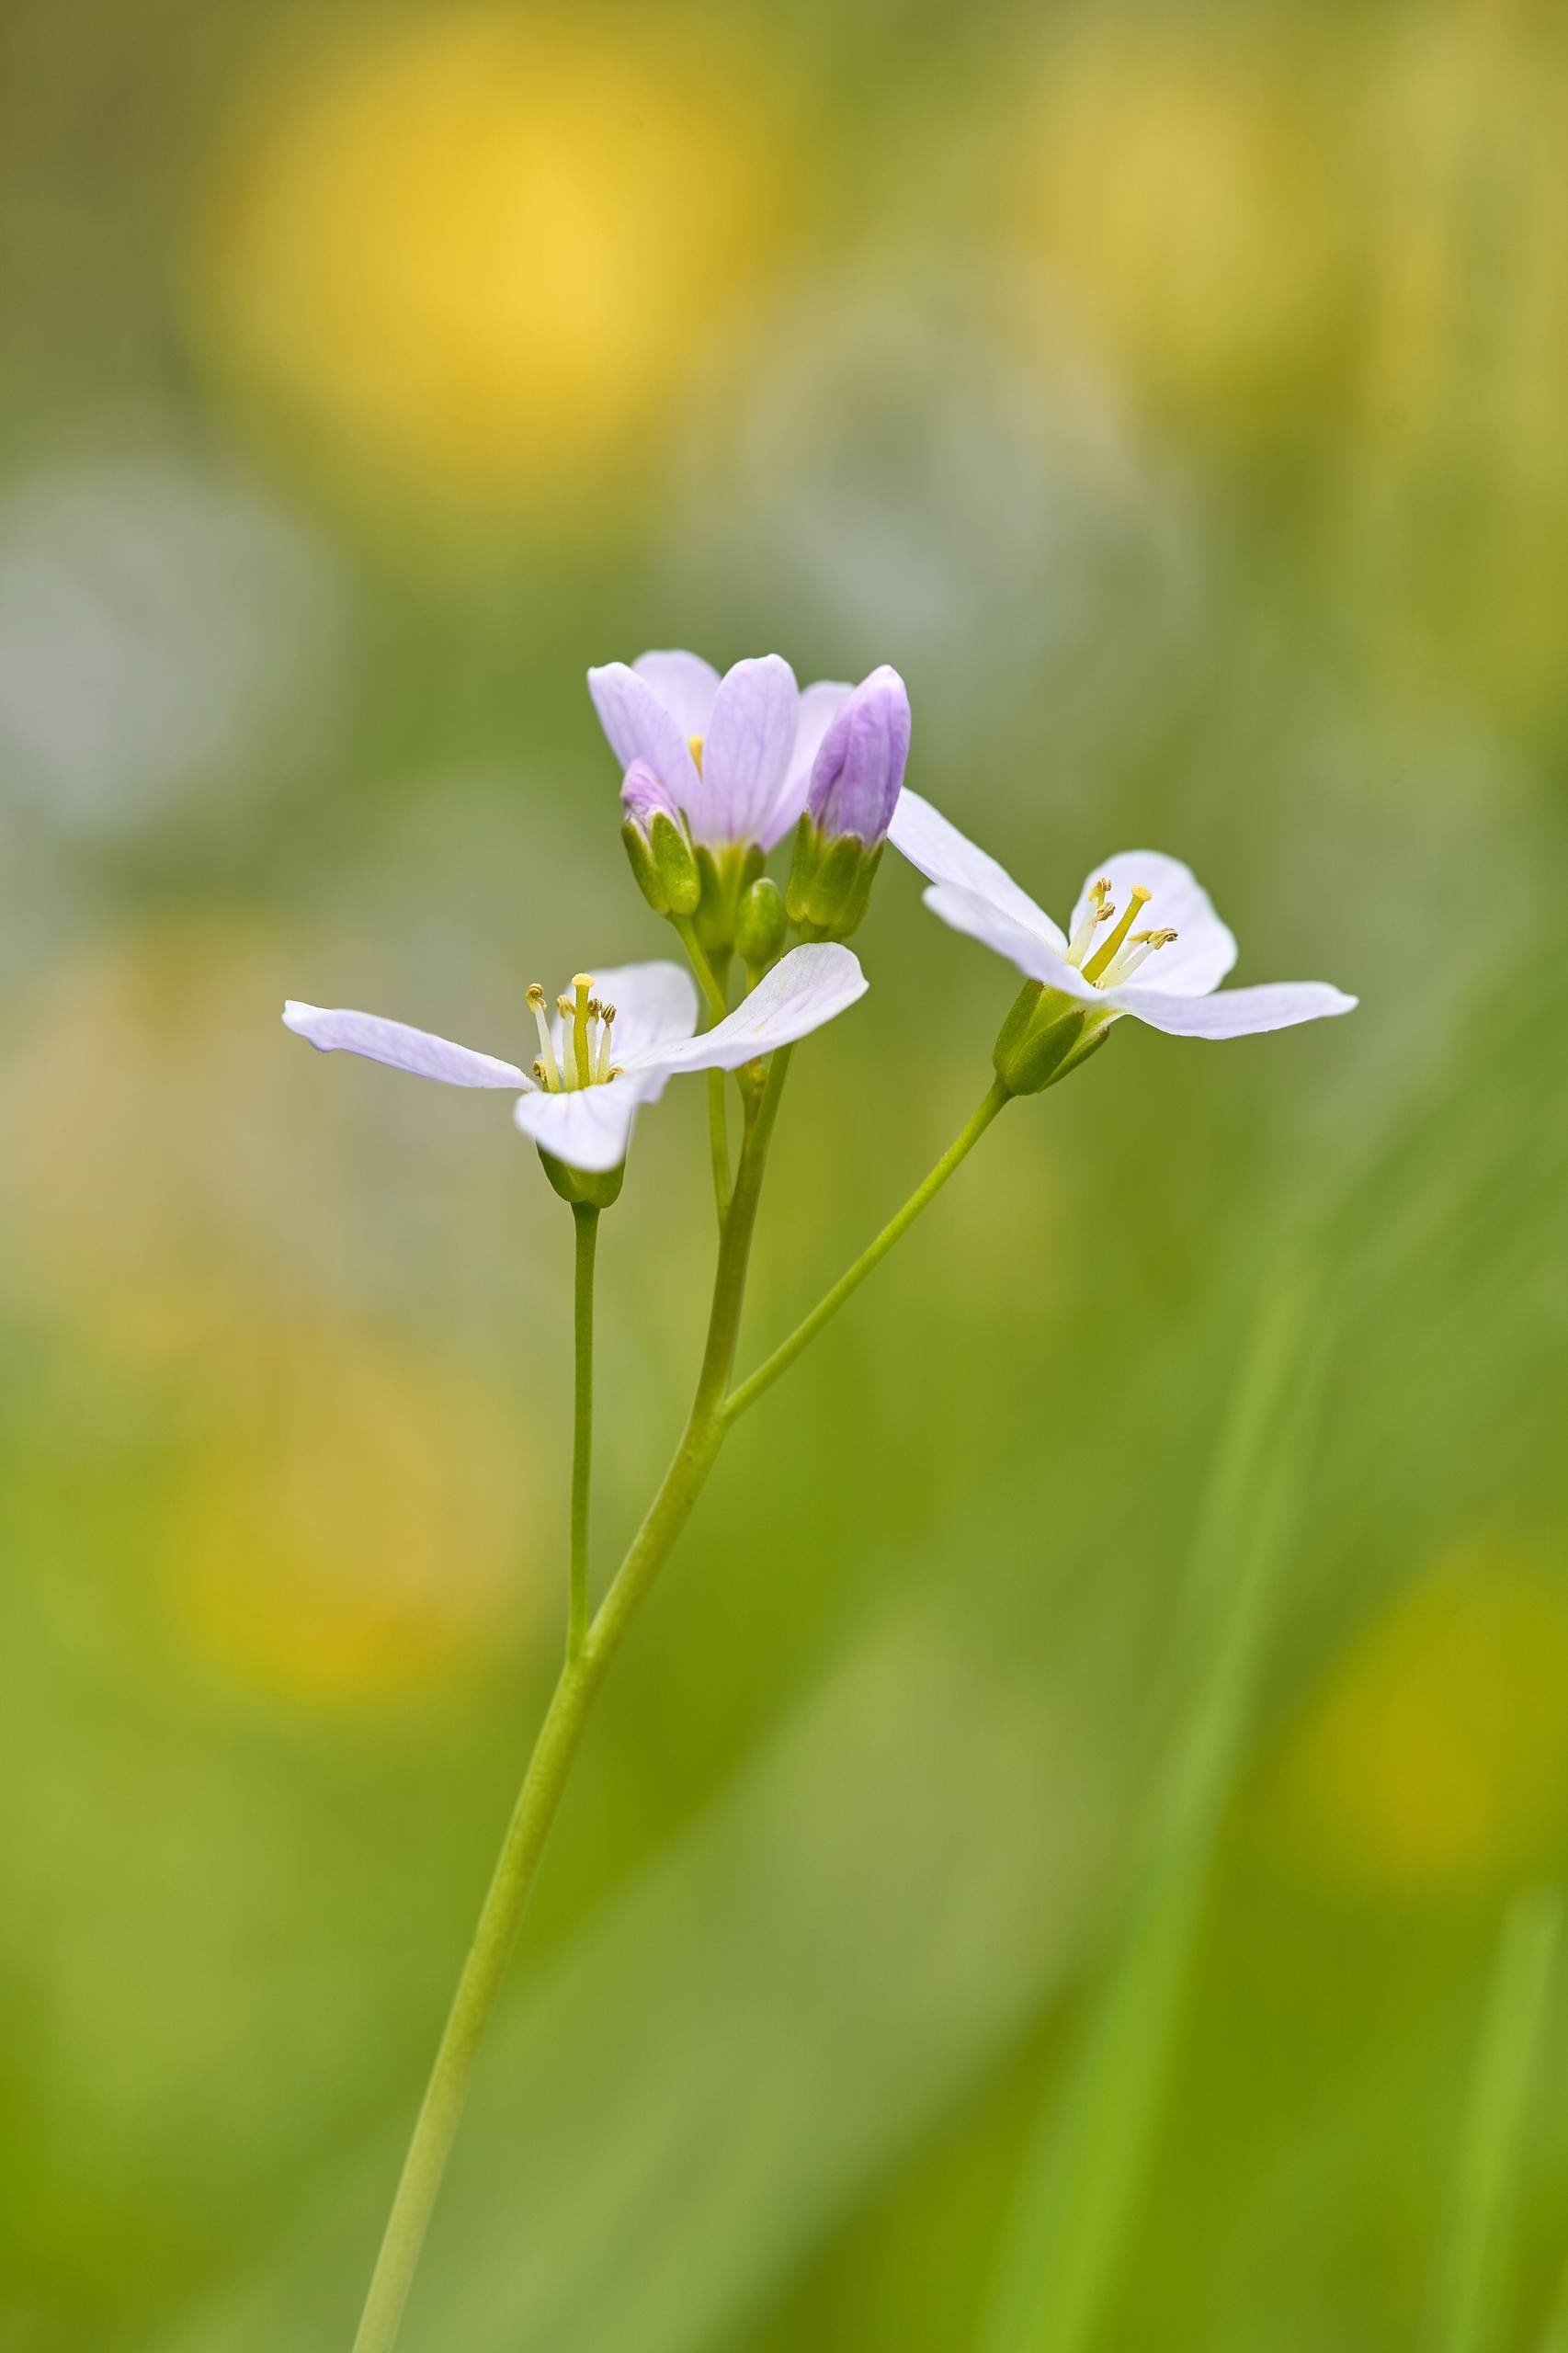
(481, 252)
(1438, 1754)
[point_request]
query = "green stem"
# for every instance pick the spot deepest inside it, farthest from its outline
(707, 979)
(587, 1219)
(718, 1144)
(556, 1746)
(784, 1356)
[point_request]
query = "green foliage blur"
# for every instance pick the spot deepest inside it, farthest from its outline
(1175, 394)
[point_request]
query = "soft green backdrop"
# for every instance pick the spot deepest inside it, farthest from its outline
(1176, 395)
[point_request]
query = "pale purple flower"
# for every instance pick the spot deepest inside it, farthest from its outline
(612, 1046)
(1140, 915)
(859, 769)
(733, 755)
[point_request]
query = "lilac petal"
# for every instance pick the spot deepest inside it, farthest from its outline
(746, 754)
(1038, 958)
(1231, 1013)
(820, 705)
(640, 728)
(1203, 949)
(858, 770)
(589, 1128)
(804, 990)
(340, 1031)
(944, 855)
(642, 792)
(655, 1004)
(685, 684)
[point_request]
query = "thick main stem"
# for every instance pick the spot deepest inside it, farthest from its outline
(551, 1762)
(748, 1391)
(587, 1221)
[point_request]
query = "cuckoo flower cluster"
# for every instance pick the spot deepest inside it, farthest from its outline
(718, 772)
(718, 776)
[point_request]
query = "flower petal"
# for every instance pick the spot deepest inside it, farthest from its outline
(1230, 1013)
(685, 684)
(820, 705)
(804, 990)
(1203, 949)
(589, 1128)
(944, 855)
(640, 728)
(337, 1030)
(859, 772)
(982, 919)
(655, 1004)
(747, 751)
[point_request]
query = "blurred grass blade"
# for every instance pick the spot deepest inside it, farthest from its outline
(1469, 2305)
(1082, 2184)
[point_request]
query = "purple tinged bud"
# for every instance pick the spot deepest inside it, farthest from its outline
(643, 793)
(858, 770)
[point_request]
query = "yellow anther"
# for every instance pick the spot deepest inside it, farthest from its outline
(593, 1009)
(544, 1069)
(694, 745)
(536, 993)
(1099, 911)
(1097, 962)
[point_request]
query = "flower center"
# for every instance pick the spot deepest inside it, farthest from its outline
(585, 1041)
(1123, 949)
(694, 745)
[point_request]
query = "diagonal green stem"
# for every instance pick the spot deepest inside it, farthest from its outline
(585, 1217)
(577, 1687)
(783, 1356)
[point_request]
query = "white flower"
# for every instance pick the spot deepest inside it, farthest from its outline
(613, 1043)
(1143, 938)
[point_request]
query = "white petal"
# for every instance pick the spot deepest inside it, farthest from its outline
(640, 728)
(982, 919)
(655, 1004)
(820, 705)
(746, 754)
(589, 1128)
(1203, 951)
(804, 989)
(685, 684)
(1231, 1013)
(337, 1030)
(944, 855)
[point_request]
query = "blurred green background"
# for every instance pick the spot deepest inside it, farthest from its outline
(1176, 395)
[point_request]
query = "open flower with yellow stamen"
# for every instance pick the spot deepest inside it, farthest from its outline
(1144, 940)
(614, 1044)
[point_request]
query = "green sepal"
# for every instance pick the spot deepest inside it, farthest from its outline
(760, 925)
(674, 864)
(639, 857)
(723, 875)
(1045, 1035)
(584, 1188)
(829, 882)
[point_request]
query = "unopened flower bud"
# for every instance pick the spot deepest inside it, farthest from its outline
(657, 844)
(858, 770)
(760, 924)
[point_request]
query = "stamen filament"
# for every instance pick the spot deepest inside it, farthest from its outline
(1100, 910)
(1102, 957)
(567, 1010)
(601, 1068)
(545, 1070)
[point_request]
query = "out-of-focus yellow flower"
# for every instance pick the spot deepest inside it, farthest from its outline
(350, 1523)
(482, 250)
(1439, 1752)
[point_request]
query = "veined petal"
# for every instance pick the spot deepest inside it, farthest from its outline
(1230, 1013)
(642, 792)
(337, 1030)
(944, 855)
(1203, 949)
(685, 684)
(820, 705)
(589, 1128)
(747, 751)
(982, 918)
(859, 772)
(804, 990)
(640, 728)
(655, 1004)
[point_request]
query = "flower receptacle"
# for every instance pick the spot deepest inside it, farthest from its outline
(829, 882)
(584, 1188)
(1045, 1035)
